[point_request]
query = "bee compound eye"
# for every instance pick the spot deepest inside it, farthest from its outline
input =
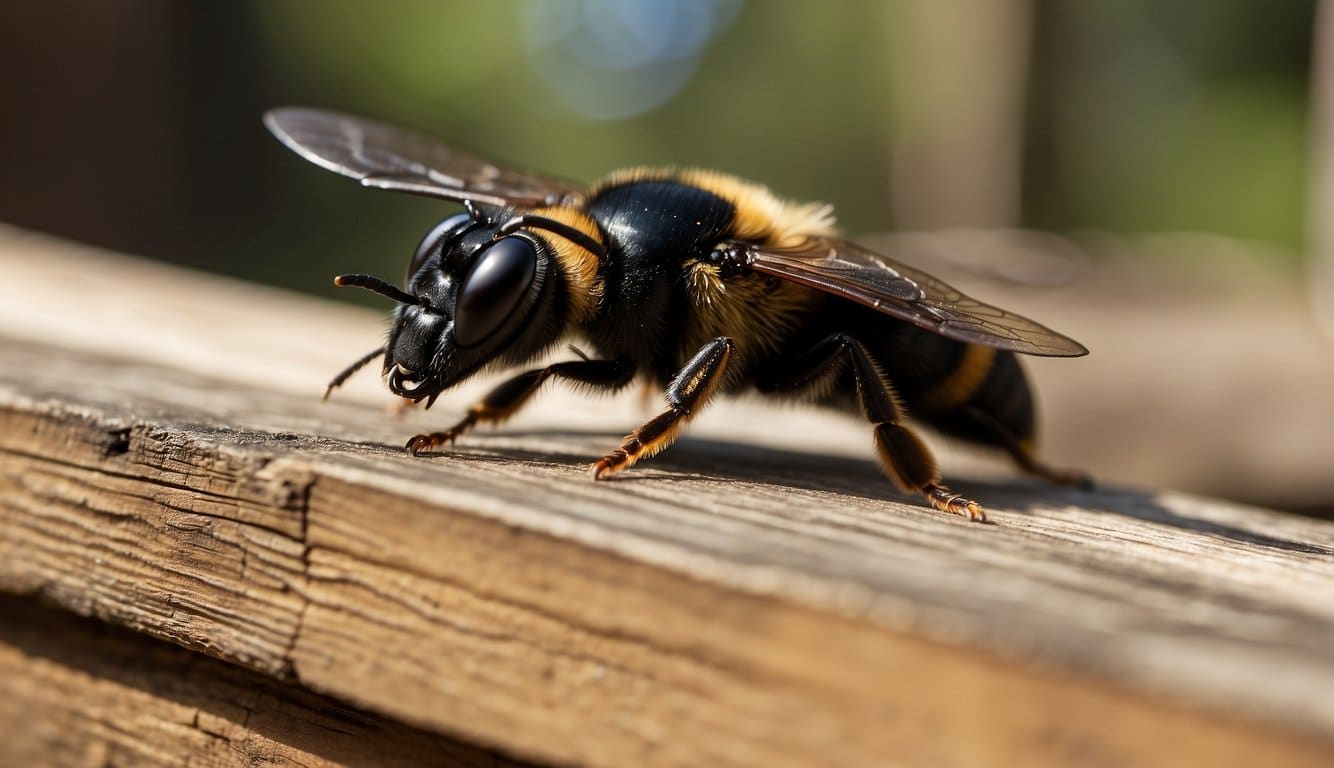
(431, 243)
(493, 288)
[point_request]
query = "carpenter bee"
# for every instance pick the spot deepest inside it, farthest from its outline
(699, 281)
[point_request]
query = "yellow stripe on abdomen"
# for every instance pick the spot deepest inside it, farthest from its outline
(963, 382)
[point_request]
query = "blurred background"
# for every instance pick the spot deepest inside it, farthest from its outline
(1168, 157)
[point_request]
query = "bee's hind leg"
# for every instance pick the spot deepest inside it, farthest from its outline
(1024, 458)
(1024, 454)
(903, 455)
(511, 395)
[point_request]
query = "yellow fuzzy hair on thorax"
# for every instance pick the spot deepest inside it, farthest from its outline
(761, 216)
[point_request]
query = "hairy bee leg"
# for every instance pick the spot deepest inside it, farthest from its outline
(688, 391)
(1025, 456)
(507, 398)
(903, 455)
(1022, 453)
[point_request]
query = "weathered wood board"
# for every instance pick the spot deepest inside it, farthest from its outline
(724, 605)
(81, 693)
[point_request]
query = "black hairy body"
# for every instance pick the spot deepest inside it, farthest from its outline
(658, 231)
(695, 280)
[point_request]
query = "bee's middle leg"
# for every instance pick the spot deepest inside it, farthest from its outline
(688, 391)
(1024, 454)
(903, 455)
(511, 395)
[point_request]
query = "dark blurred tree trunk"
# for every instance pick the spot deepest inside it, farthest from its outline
(1320, 215)
(124, 129)
(86, 146)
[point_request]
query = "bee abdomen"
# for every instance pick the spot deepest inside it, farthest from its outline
(985, 398)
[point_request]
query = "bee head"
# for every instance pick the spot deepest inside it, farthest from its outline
(476, 294)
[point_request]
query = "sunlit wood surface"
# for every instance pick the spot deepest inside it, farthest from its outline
(757, 596)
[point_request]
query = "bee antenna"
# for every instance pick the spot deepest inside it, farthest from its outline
(576, 236)
(347, 372)
(376, 285)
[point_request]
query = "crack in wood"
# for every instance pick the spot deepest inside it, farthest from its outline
(290, 669)
(118, 442)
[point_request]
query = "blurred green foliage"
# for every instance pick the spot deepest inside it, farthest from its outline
(1144, 116)
(141, 131)
(1173, 116)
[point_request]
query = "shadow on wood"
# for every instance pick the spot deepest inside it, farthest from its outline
(734, 604)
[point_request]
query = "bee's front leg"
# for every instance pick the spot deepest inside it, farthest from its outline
(687, 393)
(507, 398)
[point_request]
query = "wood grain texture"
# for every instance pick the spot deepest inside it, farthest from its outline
(1183, 328)
(725, 605)
(79, 693)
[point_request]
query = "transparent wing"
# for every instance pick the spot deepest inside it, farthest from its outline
(845, 269)
(385, 156)
(1023, 258)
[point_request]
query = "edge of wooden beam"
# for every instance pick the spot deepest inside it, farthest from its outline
(78, 691)
(543, 644)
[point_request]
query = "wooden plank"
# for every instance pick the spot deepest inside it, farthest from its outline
(1214, 330)
(79, 693)
(723, 606)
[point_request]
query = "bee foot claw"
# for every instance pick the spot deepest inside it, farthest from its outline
(421, 444)
(610, 464)
(944, 500)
